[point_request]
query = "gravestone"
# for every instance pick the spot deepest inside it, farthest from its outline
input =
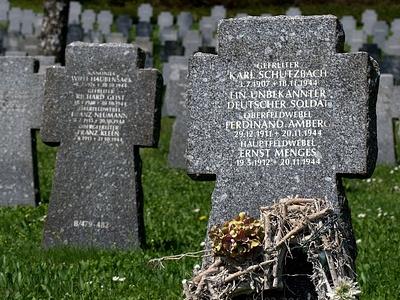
(368, 19)
(265, 133)
(104, 21)
(380, 31)
(31, 45)
(165, 20)
(391, 65)
(143, 29)
(15, 19)
(392, 45)
(349, 24)
(4, 8)
(387, 111)
(218, 12)
(45, 62)
(28, 18)
(37, 23)
(75, 10)
(175, 98)
(21, 94)
(191, 42)
(88, 18)
(99, 109)
(145, 12)
(168, 34)
(207, 29)
(373, 51)
(293, 11)
(75, 33)
(171, 48)
(116, 37)
(395, 26)
(358, 38)
(124, 24)
(185, 22)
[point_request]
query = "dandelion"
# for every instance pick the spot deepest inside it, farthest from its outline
(346, 289)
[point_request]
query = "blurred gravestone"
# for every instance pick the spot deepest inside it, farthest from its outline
(75, 10)
(37, 24)
(143, 29)
(207, 29)
(88, 19)
(116, 37)
(45, 62)
(349, 24)
(99, 109)
(218, 12)
(380, 31)
(387, 111)
(373, 50)
(368, 19)
(358, 38)
(165, 20)
(15, 19)
(185, 22)
(124, 24)
(391, 65)
(392, 45)
(191, 42)
(244, 108)
(75, 33)
(145, 12)
(28, 18)
(104, 21)
(21, 94)
(4, 8)
(175, 99)
(395, 26)
(293, 11)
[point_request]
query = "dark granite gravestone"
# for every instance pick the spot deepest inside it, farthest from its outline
(280, 112)
(75, 33)
(171, 48)
(99, 109)
(176, 103)
(143, 29)
(387, 111)
(373, 51)
(124, 24)
(391, 64)
(21, 94)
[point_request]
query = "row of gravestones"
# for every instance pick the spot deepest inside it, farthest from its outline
(262, 141)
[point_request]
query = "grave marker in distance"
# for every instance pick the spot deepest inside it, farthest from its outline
(99, 109)
(21, 94)
(279, 112)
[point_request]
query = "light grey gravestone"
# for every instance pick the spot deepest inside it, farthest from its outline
(21, 96)
(207, 29)
(15, 19)
(380, 31)
(116, 37)
(185, 22)
(99, 109)
(349, 24)
(387, 111)
(218, 12)
(392, 45)
(75, 10)
(176, 107)
(45, 62)
(37, 23)
(293, 11)
(165, 19)
(104, 21)
(278, 112)
(28, 19)
(192, 42)
(358, 38)
(4, 8)
(88, 18)
(369, 18)
(395, 26)
(145, 12)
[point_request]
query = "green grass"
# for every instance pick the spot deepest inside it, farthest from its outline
(175, 215)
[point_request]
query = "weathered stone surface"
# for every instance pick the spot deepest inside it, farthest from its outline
(99, 109)
(21, 94)
(387, 110)
(280, 112)
(176, 107)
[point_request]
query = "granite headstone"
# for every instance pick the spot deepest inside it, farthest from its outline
(99, 109)
(280, 112)
(21, 96)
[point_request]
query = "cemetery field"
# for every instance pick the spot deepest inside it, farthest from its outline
(176, 210)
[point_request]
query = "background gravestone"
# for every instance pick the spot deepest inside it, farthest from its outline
(176, 107)
(99, 109)
(387, 111)
(21, 94)
(254, 126)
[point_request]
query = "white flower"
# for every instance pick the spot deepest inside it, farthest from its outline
(361, 215)
(117, 278)
(346, 289)
(358, 241)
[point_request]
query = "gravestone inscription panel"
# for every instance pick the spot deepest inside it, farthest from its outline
(280, 112)
(21, 95)
(99, 109)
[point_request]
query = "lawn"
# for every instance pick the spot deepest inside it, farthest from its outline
(176, 210)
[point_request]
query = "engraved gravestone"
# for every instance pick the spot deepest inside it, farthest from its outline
(278, 112)
(176, 107)
(387, 111)
(21, 94)
(99, 109)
